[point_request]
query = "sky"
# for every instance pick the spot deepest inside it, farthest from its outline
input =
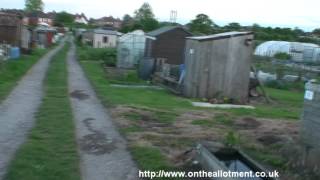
(276, 13)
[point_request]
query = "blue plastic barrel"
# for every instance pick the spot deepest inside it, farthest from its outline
(14, 53)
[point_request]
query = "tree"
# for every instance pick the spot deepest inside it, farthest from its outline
(202, 24)
(255, 27)
(34, 5)
(280, 68)
(127, 23)
(145, 19)
(144, 12)
(316, 32)
(234, 26)
(64, 19)
(298, 31)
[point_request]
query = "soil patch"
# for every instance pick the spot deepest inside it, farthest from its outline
(247, 123)
(79, 94)
(97, 144)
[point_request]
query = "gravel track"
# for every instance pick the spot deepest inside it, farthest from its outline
(103, 151)
(18, 109)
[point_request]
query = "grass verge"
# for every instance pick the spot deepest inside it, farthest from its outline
(287, 106)
(50, 151)
(158, 99)
(11, 71)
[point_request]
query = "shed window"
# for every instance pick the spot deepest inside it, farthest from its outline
(105, 39)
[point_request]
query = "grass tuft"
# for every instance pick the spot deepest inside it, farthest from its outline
(50, 151)
(11, 71)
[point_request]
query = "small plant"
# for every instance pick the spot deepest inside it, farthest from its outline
(224, 119)
(231, 139)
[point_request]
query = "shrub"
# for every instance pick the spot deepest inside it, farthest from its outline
(107, 55)
(285, 85)
(282, 56)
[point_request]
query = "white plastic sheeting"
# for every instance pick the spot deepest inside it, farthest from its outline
(131, 48)
(300, 52)
(264, 77)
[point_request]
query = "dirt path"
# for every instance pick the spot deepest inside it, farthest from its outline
(102, 150)
(17, 110)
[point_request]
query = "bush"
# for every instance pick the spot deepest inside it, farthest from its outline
(277, 85)
(282, 56)
(285, 85)
(107, 55)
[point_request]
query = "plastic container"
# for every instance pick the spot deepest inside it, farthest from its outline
(14, 53)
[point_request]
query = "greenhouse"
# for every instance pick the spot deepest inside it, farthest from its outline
(299, 52)
(131, 48)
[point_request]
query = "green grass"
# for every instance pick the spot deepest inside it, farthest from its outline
(11, 71)
(129, 78)
(158, 99)
(150, 158)
(286, 105)
(50, 151)
(224, 119)
(130, 129)
(157, 116)
(203, 122)
(219, 119)
(167, 107)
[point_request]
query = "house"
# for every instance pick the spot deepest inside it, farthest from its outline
(111, 22)
(81, 19)
(168, 44)
(38, 17)
(218, 66)
(13, 32)
(44, 35)
(100, 38)
(130, 50)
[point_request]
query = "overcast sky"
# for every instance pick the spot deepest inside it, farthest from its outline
(284, 13)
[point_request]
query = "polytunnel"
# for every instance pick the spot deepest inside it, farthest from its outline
(130, 49)
(300, 52)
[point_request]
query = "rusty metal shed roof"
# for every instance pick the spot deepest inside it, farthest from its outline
(219, 36)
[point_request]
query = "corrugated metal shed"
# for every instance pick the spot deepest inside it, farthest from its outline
(218, 65)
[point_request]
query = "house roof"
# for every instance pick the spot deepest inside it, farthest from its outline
(107, 19)
(18, 12)
(82, 15)
(37, 14)
(109, 32)
(220, 36)
(165, 29)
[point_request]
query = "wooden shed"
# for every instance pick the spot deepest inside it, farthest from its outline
(10, 29)
(168, 44)
(218, 65)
